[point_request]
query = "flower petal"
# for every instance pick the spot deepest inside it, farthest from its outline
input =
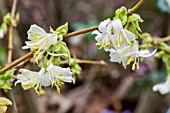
(146, 53)
(5, 101)
(103, 25)
(37, 31)
(128, 34)
(117, 25)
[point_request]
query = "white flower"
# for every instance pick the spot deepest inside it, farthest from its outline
(54, 76)
(112, 34)
(104, 34)
(31, 79)
(163, 88)
(128, 54)
(59, 75)
(3, 104)
(168, 2)
(39, 40)
(1, 33)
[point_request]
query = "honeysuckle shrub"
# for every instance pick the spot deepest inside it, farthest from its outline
(118, 36)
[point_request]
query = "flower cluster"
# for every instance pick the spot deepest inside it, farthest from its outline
(47, 46)
(53, 76)
(3, 104)
(120, 42)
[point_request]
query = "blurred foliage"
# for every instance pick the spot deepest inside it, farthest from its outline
(3, 55)
(5, 79)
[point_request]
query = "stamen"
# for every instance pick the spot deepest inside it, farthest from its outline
(133, 66)
(128, 41)
(35, 37)
(137, 66)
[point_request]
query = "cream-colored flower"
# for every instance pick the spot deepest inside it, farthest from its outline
(59, 75)
(128, 54)
(54, 76)
(111, 34)
(163, 88)
(39, 40)
(31, 79)
(3, 104)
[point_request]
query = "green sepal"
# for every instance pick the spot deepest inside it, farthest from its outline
(62, 30)
(4, 79)
(64, 50)
(57, 61)
(121, 13)
(6, 85)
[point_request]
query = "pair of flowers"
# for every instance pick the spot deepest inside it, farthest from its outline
(120, 42)
(49, 75)
(52, 76)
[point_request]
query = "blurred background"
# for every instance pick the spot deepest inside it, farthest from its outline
(98, 89)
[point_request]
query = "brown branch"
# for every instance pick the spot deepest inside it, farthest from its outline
(136, 6)
(14, 63)
(10, 40)
(157, 40)
(13, 108)
(165, 39)
(101, 62)
(81, 32)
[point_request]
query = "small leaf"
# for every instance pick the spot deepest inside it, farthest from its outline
(6, 86)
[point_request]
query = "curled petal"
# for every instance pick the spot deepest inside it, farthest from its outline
(37, 31)
(103, 25)
(146, 53)
(117, 25)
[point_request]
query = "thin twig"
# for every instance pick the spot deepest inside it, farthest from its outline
(136, 6)
(81, 32)
(65, 36)
(13, 108)
(14, 63)
(10, 40)
(157, 40)
(165, 39)
(101, 62)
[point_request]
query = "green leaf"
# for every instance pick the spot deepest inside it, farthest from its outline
(163, 44)
(7, 18)
(6, 86)
(160, 54)
(5, 77)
